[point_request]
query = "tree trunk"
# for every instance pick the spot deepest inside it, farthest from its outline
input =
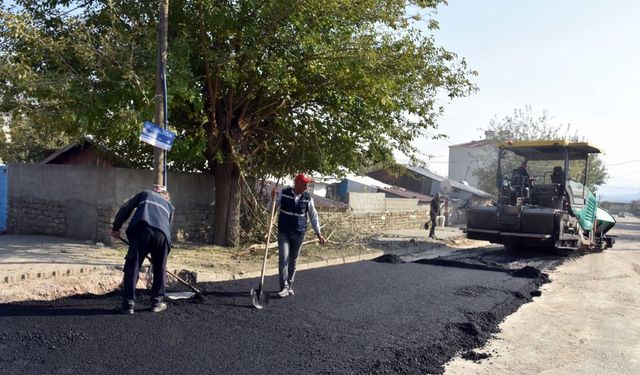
(226, 225)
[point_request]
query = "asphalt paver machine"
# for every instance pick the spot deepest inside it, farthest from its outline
(550, 207)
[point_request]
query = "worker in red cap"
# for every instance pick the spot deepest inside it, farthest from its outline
(295, 205)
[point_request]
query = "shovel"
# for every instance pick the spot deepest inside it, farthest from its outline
(260, 298)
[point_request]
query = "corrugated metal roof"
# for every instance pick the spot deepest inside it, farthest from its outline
(469, 189)
(425, 172)
(366, 180)
(458, 185)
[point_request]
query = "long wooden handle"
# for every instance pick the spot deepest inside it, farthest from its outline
(266, 247)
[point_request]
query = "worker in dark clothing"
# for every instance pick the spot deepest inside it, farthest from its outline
(434, 211)
(557, 177)
(520, 176)
(149, 232)
(295, 205)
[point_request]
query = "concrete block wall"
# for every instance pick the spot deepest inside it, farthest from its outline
(366, 202)
(401, 204)
(81, 202)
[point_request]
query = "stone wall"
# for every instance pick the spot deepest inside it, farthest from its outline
(193, 224)
(81, 202)
(378, 202)
(373, 222)
(32, 215)
(190, 224)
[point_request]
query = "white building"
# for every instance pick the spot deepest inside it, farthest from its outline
(465, 158)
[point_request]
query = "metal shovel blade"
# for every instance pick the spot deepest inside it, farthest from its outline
(179, 295)
(259, 298)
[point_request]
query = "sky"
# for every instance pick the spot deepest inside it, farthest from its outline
(578, 60)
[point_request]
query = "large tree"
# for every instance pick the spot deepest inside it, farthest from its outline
(20, 142)
(525, 125)
(255, 86)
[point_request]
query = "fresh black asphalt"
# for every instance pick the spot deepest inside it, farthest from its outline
(361, 318)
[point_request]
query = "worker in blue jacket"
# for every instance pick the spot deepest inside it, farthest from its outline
(149, 232)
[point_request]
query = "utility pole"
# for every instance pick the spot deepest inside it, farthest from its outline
(159, 155)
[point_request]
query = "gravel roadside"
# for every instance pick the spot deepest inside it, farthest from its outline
(585, 322)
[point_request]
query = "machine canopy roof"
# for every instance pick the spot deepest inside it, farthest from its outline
(550, 150)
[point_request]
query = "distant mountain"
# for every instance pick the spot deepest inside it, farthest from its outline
(618, 194)
(619, 198)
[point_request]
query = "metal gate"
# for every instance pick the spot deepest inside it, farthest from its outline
(3, 198)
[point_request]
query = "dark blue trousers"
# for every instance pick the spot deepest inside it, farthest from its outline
(144, 240)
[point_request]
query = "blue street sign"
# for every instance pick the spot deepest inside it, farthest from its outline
(156, 136)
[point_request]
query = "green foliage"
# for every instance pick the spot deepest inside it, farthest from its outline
(254, 86)
(22, 143)
(274, 86)
(524, 125)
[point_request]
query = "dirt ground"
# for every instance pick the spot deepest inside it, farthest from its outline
(98, 281)
(585, 322)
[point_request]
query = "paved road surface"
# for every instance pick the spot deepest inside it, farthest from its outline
(366, 317)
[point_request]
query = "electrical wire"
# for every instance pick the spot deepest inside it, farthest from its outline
(623, 162)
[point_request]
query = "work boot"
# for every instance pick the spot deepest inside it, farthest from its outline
(284, 292)
(158, 306)
(126, 307)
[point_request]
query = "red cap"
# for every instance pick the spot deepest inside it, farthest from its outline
(302, 178)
